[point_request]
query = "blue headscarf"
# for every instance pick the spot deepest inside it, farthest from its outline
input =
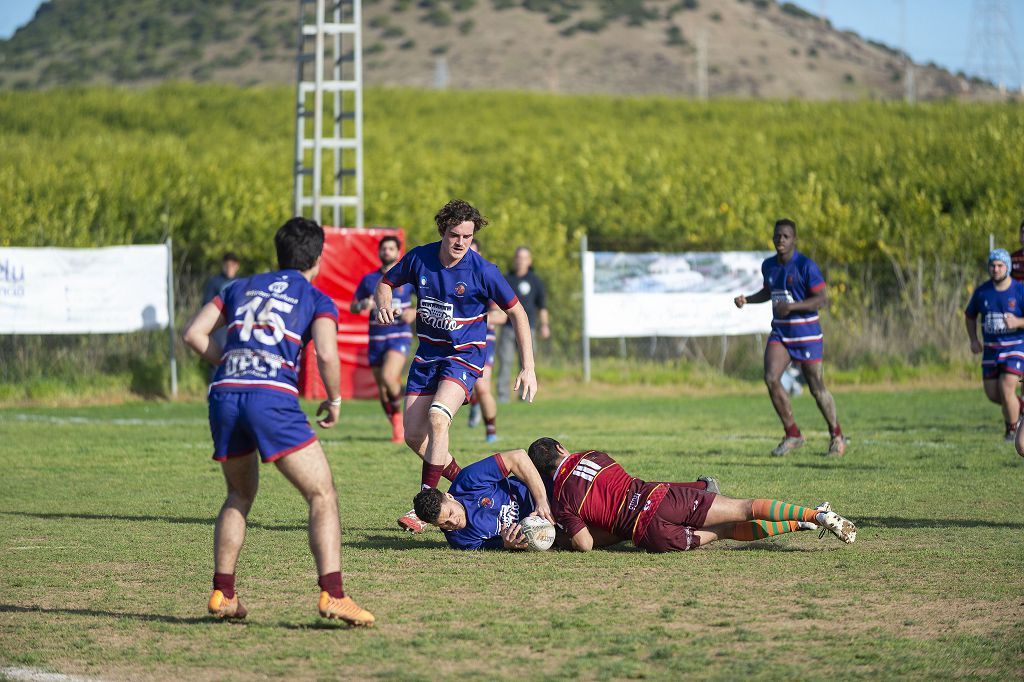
(999, 254)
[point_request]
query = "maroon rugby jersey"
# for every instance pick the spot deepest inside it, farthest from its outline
(592, 489)
(1017, 264)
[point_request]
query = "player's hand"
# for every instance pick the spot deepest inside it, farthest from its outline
(545, 331)
(513, 536)
(333, 411)
(976, 346)
(544, 510)
(782, 309)
(1012, 321)
(740, 301)
(528, 380)
(388, 314)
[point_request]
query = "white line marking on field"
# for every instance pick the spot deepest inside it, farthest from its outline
(117, 421)
(37, 675)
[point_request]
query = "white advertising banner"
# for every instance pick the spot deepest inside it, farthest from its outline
(83, 291)
(673, 294)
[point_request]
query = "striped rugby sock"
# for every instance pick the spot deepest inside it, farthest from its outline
(777, 510)
(757, 530)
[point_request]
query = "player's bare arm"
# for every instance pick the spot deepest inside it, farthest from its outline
(760, 297)
(359, 305)
(971, 324)
(386, 312)
(325, 340)
(811, 304)
(496, 317)
(583, 541)
(527, 377)
(196, 334)
(519, 464)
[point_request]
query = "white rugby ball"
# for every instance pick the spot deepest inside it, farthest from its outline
(539, 532)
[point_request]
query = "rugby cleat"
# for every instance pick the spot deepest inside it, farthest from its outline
(491, 438)
(712, 483)
(844, 529)
(837, 446)
(787, 445)
(345, 609)
(475, 416)
(222, 607)
(410, 522)
(810, 525)
(397, 428)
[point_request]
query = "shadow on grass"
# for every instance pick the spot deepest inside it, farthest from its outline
(207, 521)
(898, 522)
(400, 541)
(145, 617)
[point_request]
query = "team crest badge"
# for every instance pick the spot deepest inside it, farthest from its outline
(423, 281)
(1013, 304)
(486, 502)
(460, 288)
(789, 280)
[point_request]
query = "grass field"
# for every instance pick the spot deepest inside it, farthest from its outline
(105, 557)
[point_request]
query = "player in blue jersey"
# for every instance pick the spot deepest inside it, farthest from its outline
(1000, 303)
(253, 406)
(453, 286)
(796, 288)
(486, 501)
(389, 344)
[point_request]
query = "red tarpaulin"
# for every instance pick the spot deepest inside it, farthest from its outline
(349, 253)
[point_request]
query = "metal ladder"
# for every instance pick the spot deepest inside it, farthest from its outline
(343, 141)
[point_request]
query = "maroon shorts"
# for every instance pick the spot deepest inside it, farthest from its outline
(683, 511)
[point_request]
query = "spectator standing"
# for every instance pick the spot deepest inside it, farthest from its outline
(529, 288)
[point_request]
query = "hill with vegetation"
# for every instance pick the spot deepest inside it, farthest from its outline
(754, 48)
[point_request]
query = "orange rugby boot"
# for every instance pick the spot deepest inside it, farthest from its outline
(397, 428)
(412, 523)
(345, 609)
(222, 607)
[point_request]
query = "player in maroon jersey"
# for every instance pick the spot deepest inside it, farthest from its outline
(1017, 257)
(596, 503)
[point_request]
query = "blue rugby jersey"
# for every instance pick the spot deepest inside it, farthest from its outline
(791, 282)
(269, 319)
(991, 305)
(492, 499)
(451, 311)
(400, 296)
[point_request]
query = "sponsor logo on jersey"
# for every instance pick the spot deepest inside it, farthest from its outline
(437, 314)
(524, 288)
(509, 513)
(634, 501)
(278, 287)
(423, 281)
(460, 288)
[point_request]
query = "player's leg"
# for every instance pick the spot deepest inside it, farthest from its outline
(446, 403)
(1008, 401)
(814, 376)
(747, 531)
(417, 437)
(506, 357)
(728, 510)
(391, 397)
(488, 405)
(242, 476)
(307, 469)
(993, 389)
(776, 360)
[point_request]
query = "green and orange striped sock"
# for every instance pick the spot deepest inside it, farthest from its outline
(757, 530)
(777, 510)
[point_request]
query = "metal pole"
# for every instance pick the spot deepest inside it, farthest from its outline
(991, 242)
(300, 120)
(357, 57)
(586, 339)
(318, 111)
(170, 318)
(338, 107)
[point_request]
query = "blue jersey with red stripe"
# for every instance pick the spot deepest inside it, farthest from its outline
(992, 305)
(269, 319)
(451, 310)
(400, 296)
(791, 282)
(492, 499)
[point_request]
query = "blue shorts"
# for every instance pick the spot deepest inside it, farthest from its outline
(809, 352)
(271, 422)
(1002, 359)
(380, 345)
(489, 352)
(426, 376)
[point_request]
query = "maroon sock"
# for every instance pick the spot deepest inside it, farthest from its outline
(836, 431)
(1010, 427)
(331, 584)
(793, 431)
(225, 582)
(388, 406)
(451, 471)
(396, 406)
(431, 474)
(492, 428)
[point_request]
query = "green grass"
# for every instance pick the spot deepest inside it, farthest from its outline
(105, 553)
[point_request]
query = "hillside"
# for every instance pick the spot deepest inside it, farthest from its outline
(755, 48)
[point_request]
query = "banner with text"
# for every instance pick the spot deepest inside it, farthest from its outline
(672, 294)
(83, 291)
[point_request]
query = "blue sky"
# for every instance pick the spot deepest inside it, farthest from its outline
(936, 30)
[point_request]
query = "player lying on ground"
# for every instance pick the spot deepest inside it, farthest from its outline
(253, 405)
(591, 491)
(453, 286)
(489, 498)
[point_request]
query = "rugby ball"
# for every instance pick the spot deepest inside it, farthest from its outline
(539, 532)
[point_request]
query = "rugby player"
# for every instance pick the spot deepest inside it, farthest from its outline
(253, 406)
(596, 503)
(389, 344)
(1000, 302)
(1017, 257)
(482, 405)
(453, 286)
(796, 288)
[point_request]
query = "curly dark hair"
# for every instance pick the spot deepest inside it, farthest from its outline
(427, 504)
(299, 242)
(544, 455)
(456, 212)
(786, 222)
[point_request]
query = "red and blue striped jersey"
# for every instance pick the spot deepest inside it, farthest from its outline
(791, 282)
(400, 296)
(992, 305)
(451, 311)
(269, 319)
